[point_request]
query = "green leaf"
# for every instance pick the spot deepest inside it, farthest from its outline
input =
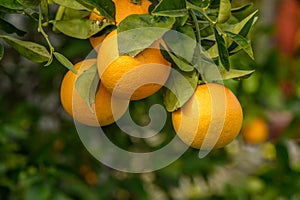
(87, 85)
(1, 51)
(9, 28)
(186, 47)
(70, 14)
(222, 49)
(29, 3)
(80, 28)
(71, 4)
(181, 63)
(105, 7)
(179, 88)
(12, 4)
(170, 8)
(64, 61)
(137, 32)
(242, 8)
(201, 3)
(242, 42)
(224, 11)
(30, 50)
(223, 74)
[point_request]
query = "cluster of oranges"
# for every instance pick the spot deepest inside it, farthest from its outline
(212, 109)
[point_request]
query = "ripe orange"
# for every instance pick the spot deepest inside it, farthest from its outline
(76, 107)
(123, 74)
(212, 117)
(256, 131)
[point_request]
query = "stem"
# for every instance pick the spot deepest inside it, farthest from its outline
(195, 20)
(41, 30)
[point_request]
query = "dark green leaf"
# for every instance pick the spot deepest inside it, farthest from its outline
(87, 85)
(32, 51)
(201, 3)
(65, 61)
(137, 32)
(9, 28)
(29, 3)
(170, 8)
(242, 8)
(182, 42)
(80, 28)
(9, 11)
(1, 51)
(71, 4)
(179, 88)
(105, 7)
(283, 160)
(242, 42)
(12, 4)
(224, 11)
(211, 74)
(222, 49)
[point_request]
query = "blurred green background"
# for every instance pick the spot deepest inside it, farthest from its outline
(42, 157)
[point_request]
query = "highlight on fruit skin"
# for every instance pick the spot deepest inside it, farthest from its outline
(77, 108)
(256, 131)
(212, 117)
(130, 77)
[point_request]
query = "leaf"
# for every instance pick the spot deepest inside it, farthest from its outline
(80, 28)
(71, 4)
(70, 14)
(87, 85)
(12, 4)
(243, 27)
(179, 88)
(223, 74)
(224, 11)
(105, 7)
(137, 32)
(30, 50)
(29, 3)
(64, 61)
(186, 47)
(181, 63)
(242, 8)
(222, 49)
(170, 8)
(9, 28)
(1, 51)
(242, 42)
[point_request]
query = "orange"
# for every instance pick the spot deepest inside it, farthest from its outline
(139, 76)
(77, 108)
(97, 40)
(256, 131)
(211, 118)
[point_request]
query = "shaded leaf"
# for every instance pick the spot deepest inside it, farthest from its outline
(9, 28)
(224, 11)
(1, 51)
(186, 47)
(181, 63)
(223, 74)
(64, 61)
(12, 4)
(105, 7)
(242, 8)
(30, 50)
(222, 49)
(137, 32)
(242, 42)
(87, 85)
(179, 88)
(71, 4)
(29, 3)
(170, 8)
(80, 28)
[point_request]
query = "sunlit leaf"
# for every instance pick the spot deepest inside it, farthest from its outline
(80, 28)
(223, 74)
(242, 42)
(222, 49)
(137, 32)
(224, 11)
(64, 61)
(179, 88)
(170, 8)
(71, 4)
(87, 85)
(9, 28)
(30, 50)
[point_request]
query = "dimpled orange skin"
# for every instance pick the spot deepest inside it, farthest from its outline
(77, 108)
(122, 74)
(192, 120)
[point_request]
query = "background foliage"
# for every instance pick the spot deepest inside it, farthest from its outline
(41, 156)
